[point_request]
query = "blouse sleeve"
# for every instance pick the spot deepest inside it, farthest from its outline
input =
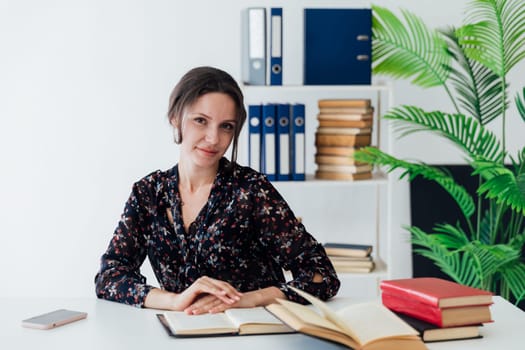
(119, 278)
(293, 247)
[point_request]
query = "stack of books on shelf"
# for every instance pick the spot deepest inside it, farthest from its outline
(350, 257)
(344, 126)
(437, 308)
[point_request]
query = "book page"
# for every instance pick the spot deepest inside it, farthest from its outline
(329, 314)
(256, 320)
(373, 321)
(308, 315)
(181, 323)
(254, 315)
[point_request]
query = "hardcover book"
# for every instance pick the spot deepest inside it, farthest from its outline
(351, 263)
(344, 116)
(246, 321)
(436, 292)
(346, 110)
(343, 102)
(342, 140)
(347, 169)
(432, 333)
(366, 326)
(329, 175)
(346, 249)
(354, 268)
(441, 317)
(343, 130)
(336, 151)
(365, 123)
(331, 159)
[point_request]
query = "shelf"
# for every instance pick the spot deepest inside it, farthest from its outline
(362, 211)
(377, 178)
(317, 88)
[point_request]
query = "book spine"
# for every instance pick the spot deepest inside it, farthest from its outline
(412, 308)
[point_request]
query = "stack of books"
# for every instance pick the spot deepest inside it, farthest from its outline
(437, 308)
(350, 257)
(344, 126)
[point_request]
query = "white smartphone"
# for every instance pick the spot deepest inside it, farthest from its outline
(54, 319)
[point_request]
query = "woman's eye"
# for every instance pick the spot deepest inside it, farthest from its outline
(200, 120)
(228, 126)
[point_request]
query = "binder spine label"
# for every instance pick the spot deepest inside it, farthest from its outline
(254, 46)
(298, 142)
(254, 141)
(283, 141)
(276, 44)
(269, 141)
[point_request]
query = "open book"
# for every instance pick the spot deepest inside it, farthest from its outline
(367, 326)
(230, 322)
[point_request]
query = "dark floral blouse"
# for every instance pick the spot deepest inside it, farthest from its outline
(246, 235)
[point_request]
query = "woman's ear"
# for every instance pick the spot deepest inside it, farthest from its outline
(172, 122)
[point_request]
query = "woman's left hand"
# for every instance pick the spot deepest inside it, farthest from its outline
(211, 304)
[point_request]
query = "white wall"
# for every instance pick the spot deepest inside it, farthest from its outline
(84, 87)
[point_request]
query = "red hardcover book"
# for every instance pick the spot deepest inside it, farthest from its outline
(436, 292)
(441, 317)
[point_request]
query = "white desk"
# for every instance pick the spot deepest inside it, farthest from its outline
(114, 326)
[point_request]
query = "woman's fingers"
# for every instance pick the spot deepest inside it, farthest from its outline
(222, 290)
(206, 304)
(198, 295)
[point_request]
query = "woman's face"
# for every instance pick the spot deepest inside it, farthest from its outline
(208, 127)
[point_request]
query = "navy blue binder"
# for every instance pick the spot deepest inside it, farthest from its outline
(297, 142)
(268, 143)
(276, 46)
(283, 142)
(337, 46)
(254, 139)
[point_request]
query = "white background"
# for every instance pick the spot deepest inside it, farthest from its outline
(84, 87)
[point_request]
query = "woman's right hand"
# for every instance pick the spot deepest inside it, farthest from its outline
(204, 286)
(161, 299)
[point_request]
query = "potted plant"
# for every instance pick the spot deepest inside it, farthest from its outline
(471, 63)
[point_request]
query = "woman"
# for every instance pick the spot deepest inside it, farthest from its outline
(217, 234)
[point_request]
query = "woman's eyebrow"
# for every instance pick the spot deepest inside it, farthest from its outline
(233, 120)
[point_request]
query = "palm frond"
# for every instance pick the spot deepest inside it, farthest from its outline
(514, 276)
(410, 50)
(519, 165)
(520, 104)
(491, 257)
(494, 34)
(455, 265)
(487, 226)
(467, 133)
(501, 184)
(372, 155)
(452, 237)
(467, 262)
(488, 257)
(479, 89)
(518, 241)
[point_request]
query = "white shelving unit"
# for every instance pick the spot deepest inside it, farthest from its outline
(365, 212)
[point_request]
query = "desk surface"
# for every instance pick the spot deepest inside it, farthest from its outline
(115, 326)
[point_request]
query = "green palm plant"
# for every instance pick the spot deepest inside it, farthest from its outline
(471, 63)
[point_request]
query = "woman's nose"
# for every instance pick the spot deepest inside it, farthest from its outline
(212, 135)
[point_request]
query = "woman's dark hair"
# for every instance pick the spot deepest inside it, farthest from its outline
(200, 81)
